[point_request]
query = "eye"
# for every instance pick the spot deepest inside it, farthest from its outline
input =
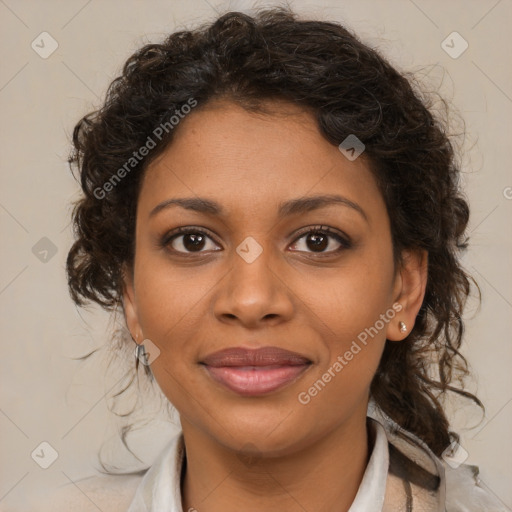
(188, 240)
(319, 238)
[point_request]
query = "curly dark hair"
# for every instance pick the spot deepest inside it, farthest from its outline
(350, 89)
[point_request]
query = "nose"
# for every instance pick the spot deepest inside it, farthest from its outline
(254, 293)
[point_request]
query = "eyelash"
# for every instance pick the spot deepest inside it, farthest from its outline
(343, 240)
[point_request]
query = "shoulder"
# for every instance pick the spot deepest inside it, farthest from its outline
(465, 492)
(105, 492)
(413, 461)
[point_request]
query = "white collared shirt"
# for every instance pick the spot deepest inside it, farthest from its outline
(159, 490)
(430, 485)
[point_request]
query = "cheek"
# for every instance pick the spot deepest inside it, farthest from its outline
(170, 309)
(170, 306)
(351, 312)
(348, 300)
(353, 345)
(169, 298)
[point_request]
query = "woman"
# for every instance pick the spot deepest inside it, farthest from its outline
(277, 212)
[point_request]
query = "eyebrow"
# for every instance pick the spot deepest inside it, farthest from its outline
(287, 208)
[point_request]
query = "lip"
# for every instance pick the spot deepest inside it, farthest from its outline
(252, 372)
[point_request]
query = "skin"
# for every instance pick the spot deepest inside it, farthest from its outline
(271, 452)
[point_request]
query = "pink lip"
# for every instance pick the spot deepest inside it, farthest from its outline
(255, 372)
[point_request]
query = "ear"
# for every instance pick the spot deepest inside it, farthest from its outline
(130, 305)
(409, 291)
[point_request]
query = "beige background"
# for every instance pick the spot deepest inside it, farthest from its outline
(47, 396)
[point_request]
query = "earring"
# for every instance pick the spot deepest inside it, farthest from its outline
(140, 351)
(142, 357)
(402, 327)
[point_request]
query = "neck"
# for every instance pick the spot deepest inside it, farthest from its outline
(323, 476)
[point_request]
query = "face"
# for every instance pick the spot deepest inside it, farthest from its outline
(260, 263)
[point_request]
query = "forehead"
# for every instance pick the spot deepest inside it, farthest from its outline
(253, 158)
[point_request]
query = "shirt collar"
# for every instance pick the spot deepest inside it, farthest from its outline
(160, 488)
(371, 492)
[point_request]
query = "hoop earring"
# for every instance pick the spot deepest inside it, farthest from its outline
(140, 352)
(402, 326)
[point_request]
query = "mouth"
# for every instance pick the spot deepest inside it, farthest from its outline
(255, 372)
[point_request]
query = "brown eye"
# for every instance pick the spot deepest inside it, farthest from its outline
(318, 240)
(189, 241)
(193, 241)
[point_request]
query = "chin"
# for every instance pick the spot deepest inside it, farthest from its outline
(269, 433)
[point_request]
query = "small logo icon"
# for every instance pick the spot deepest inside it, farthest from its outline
(45, 455)
(507, 192)
(454, 45)
(351, 147)
(455, 455)
(44, 45)
(249, 249)
(44, 250)
(147, 352)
